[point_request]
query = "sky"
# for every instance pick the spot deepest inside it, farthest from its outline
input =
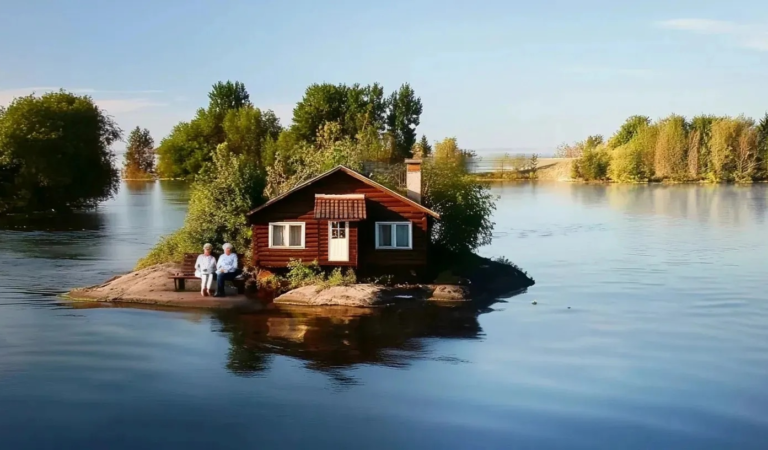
(495, 74)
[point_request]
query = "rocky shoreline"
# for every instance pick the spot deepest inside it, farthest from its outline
(480, 279)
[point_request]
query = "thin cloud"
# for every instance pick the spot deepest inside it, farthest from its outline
(745, 35)
(97, 91)
(127, 105)
(610, 71)
(112, 106)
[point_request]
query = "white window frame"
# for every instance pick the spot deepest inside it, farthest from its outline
(394, 236)
(287, 235)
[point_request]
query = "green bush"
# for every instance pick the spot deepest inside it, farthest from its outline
(593, 164)
(338, 278)
(224, 191)
(464, 204)
(274, 283)
(300, 274)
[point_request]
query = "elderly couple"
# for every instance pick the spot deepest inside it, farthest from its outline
(225, 269)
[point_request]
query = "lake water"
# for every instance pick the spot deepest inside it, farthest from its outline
(650, 332)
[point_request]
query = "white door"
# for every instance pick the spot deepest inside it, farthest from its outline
(338, 241)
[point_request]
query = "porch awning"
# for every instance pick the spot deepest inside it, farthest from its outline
(340, 207)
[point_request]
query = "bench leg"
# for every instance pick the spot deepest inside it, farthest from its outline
(182, 284)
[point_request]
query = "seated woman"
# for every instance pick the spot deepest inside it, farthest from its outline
(205, 268)
(226, 269)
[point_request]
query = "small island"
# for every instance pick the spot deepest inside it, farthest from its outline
(347, 225)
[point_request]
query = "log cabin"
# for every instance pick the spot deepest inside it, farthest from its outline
(344, 219)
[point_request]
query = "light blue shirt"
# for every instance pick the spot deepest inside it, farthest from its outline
(227, 262)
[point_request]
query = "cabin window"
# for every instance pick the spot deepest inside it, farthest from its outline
(394, 235)
(286, 235)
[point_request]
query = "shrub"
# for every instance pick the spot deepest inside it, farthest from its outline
(171, 248)
(226, 189)
(593, 164)
(464, 204)
(274, 283)
(338, 278)
(300, 274)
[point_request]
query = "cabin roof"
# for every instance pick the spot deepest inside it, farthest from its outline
(353, 174)
(340, 207)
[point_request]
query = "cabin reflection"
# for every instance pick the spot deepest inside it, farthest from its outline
(331, 341)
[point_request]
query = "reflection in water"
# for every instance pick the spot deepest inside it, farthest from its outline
(74, 221)
(332, 340)
(648, 332)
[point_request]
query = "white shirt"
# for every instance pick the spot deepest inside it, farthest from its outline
(227, 262)
(205, 265)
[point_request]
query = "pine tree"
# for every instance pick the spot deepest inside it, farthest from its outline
(140, 155)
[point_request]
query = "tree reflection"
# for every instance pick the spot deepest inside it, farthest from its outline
(333, 341)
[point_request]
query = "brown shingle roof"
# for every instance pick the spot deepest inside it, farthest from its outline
(340, 207)
(353, 174)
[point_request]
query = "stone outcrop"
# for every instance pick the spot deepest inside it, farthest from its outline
(358, 295)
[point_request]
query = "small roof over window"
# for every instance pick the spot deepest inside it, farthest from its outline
(340, 207)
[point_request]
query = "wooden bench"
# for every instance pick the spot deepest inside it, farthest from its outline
(188, 273)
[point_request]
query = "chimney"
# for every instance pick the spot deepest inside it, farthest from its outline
(413, 179)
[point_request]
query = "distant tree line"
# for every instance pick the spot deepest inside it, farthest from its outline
(705, 148)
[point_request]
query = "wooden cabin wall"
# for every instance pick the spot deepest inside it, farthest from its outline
(380, 206)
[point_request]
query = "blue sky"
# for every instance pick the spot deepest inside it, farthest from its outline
(495, 74)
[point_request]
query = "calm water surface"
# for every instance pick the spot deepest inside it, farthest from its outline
(650, 332)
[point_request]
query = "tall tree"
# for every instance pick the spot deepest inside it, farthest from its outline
(191, 144)
(698, 148)
(628, 130)
(426, 147)
(365, 109)
(762, 144)
(55, 153)
(139, 155)
(226, 96)
(247, 129)
(671, 158)
(321, 103)
(402, 119)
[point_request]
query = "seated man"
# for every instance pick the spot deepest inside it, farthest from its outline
(226, 269)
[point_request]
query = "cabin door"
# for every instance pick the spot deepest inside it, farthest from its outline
(338, 241)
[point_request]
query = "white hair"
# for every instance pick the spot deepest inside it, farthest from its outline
(227, 246)
(207, 247)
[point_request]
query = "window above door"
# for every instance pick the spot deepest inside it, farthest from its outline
(394, 235)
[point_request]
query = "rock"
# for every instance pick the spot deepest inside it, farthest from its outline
(359, 295)
(450, 292)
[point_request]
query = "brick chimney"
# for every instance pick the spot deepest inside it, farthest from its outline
(413, 179)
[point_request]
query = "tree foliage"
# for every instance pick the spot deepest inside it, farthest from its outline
(247, 130)
(227, 188)
(304, 161)
(139, 155)
(228, 96)
(673, 148)
(762, 146)
(464, 204)
(628, 130)
(229, 118)
(402, 119)
(55, 153)
(363, 113)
